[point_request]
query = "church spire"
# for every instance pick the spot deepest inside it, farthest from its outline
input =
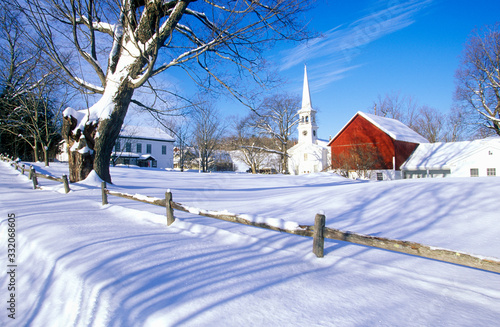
(306, 95)
(307, 116)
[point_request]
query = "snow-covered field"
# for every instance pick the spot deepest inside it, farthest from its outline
(83, 264)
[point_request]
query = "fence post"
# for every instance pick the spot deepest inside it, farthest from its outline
(318, 238)
(104, 194)
(24, 168)
(66, 184)
(31, 172)
(34, 178)
(170, 210)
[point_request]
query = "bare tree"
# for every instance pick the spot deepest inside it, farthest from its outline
(478, 77)
(36, 120)
(179, 127)
(30, 101)
(360, 159)
(248, 146)
(143, 39)
(430, 123)
(457, 125)
(277, 117)
(208, 129)
(396, 106)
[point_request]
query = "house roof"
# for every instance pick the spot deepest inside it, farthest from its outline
(392, 127)
(442, 155)
(145, 133)
(125, 154)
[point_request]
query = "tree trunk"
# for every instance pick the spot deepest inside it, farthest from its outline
(109, 130)
(45, 156)
(91, 150)
(80, 161)
(35, 151)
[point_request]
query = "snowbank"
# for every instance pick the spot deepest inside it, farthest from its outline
(83, 264)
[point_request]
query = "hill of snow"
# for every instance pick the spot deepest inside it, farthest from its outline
(83, 264)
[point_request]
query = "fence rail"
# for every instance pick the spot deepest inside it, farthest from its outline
(33, 175)
(318, 232)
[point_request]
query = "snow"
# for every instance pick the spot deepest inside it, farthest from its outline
(442, 155)
(83, 264)
(145, 132)
(92, 179)
(392, 127)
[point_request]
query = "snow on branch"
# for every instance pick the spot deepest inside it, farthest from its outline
(98, 26)
(89, 86)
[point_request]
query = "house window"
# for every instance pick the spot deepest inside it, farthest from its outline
(148, 148)
(139, 148)
(474, 172)
(163, 149)
(491, 171)
(380, 176)
(117, 146)
(128, 147)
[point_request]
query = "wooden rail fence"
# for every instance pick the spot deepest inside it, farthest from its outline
(33, 175)
(318, 232)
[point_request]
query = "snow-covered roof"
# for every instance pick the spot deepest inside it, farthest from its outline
(323, 143)
(125, 154)
(147, 157)
(392, 127)
(441, 155)
(145, 132)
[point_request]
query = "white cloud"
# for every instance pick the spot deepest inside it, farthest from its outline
(337, 47)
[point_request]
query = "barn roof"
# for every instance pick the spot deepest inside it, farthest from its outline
(145, 133)
(392, 127)
(441, 155)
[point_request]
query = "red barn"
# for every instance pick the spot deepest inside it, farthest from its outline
(369, 142)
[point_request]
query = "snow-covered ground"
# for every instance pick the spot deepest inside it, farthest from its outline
(83, 264)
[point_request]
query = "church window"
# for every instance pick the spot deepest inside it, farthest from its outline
(314, 133)
(307, 119)
(305, 156)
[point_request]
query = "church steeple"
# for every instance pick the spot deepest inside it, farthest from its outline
(307, 115)
(306, 95)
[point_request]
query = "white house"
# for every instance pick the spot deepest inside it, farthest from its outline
(144, 146)
(310, 154)
(140, 146)
(455, 159)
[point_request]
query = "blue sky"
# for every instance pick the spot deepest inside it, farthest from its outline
(372, 47)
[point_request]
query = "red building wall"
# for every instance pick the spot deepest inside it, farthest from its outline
(403, 151)
(360, 133)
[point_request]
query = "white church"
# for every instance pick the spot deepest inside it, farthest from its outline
(310, 154)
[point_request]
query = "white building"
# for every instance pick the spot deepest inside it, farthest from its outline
(455, 159)
(310, 154)
(145, 147)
